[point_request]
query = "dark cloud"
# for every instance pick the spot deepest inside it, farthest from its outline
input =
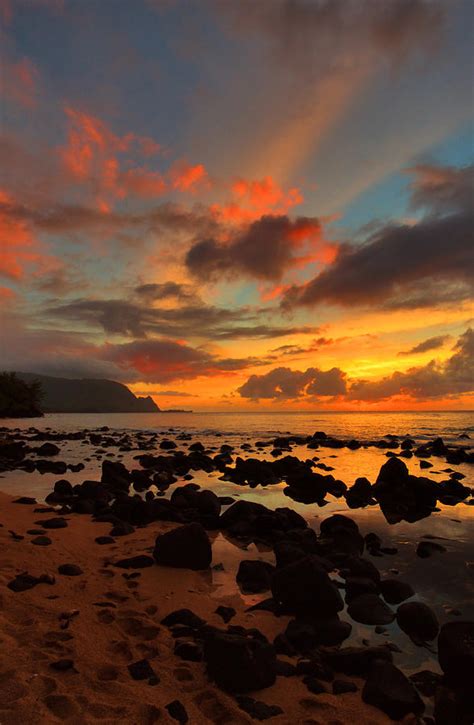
(434, 380)
(162, 361)
(283, 383)
(124, 317)
(309, 36)
(167, 290)
(432, 343)
(437, 250)
(265, 250)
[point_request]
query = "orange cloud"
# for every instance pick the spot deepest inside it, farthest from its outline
(254, 199)
(185, 177)
(91, 155)
(16, 242)
(18, 82)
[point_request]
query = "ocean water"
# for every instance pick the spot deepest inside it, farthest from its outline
(445, 581)
(363, 426)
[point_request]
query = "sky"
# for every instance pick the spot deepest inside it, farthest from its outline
(240, 204)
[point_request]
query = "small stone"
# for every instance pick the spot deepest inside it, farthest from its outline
(177, 711)
(70, 570)
(141, 670)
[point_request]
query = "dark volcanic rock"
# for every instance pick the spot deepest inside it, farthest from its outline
(418, 621)
(186, 547)
(370, 609)
(456, 651)
(25, 581)
(304, 586)
(141, 670)
(426, 682)
(257, 709)
(62, 665)
(55, 523)
(41, 541)
(254, 575)
(104, 540)
(189, 651)
(177, 711)
(339, 687)
(304, 634)
(239, 663)
(428, 548)
(185, 617)
(395, 591)
(227, 613)
(356, 660)
(70, 570)
(388, 689)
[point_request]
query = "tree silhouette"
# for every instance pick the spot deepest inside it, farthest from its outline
(19, 399)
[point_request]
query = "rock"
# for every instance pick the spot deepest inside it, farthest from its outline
(102, 540)
(54, 523)
(306, 634)
(370, 609)
(356, 660)
(304, 586)
(63, 488)
(47, 449)
(453, 706)
(189, 651)
(186, 547)
(418, 621)
(314, 685)
(426, 682)
(254, 576)
(239, 663)
(25, 581)
(257, 709)
(70, 570)
(177, 711)
(185, 617)
(388, 689)
(62, 665)
(339, 687)
(456, 651)
(428, 548)
(26, 500)
(115, 475)
(227, 613)
(135, 562)
(141, 670)
(122, 528)
(41, 541)
(395, 591)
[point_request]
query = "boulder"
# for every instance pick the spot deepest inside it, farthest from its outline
(187, 547)
(370, 609)
(395, 591)
(388, 689)
(418, 621)
(239, 663)
(305, 586)
(254, 576)
(456, 651)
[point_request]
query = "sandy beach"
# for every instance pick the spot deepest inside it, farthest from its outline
(104, 621)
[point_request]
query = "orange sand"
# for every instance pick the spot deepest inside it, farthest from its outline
(102, 641)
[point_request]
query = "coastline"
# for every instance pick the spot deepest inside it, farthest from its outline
(118, 622)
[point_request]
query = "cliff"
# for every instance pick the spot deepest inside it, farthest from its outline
(62, 395)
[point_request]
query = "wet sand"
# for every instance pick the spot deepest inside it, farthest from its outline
(104, 621)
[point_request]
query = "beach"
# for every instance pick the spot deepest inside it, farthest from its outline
(90, 644)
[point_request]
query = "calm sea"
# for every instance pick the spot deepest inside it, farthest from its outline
(363, 426)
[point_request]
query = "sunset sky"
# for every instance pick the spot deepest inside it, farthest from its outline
(240, 204)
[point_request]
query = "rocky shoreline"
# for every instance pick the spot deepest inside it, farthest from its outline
(130, 569)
